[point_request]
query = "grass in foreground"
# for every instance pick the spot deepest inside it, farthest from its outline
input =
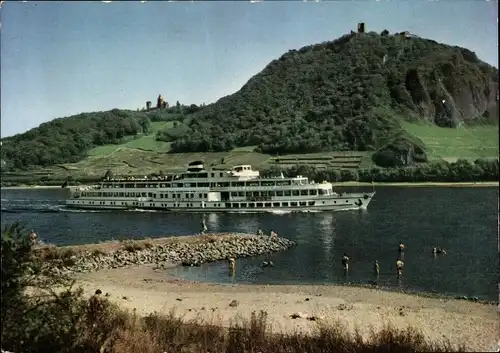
(115, 330)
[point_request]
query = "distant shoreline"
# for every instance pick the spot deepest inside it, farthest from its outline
(335, 184)
(422, 184)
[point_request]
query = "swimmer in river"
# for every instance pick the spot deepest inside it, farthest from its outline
(376, 268)
(401, 247)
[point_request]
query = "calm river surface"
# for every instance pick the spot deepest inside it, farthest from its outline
(461, 220)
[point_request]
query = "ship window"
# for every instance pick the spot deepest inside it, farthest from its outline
(178, 196)
(99, 194)
(203, 185)
(212, 175)
(241, 193)
(150, 194)
(293, 204)
(205, 196)
(228, 205)
(311, 203)
(221, 174)
(313, 192)
(279, 193)
(287, 193)
(161, 196)
(143, 194)
(284, 204)
(192, 196)
(346, 201)
(322, 191)
(233, 194)
(303, 192)
(203, 175)
(236, 205)
(173, 196)
(267, 204)
(243, 205)
(200, 196)
(121, 194)
(256, 193)
(138, 194)
(120, 186)
(276, 204)
(295, 192)
(251, 205)
(302, 203)
(259, 204)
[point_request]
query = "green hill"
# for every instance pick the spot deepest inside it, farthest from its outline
(391, 99)
(350, 94)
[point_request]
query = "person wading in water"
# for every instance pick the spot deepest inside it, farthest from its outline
(376, 268)
(203, 227)
(399, 266)
(345, 262)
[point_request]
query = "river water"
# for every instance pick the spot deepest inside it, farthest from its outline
(464, 221)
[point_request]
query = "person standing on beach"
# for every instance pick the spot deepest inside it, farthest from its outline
(95, 307)
(345, 262)
(376, 268)
(399, 266)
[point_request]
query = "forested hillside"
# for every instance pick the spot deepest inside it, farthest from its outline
(68, 139)
(351, 94)
(348, 94)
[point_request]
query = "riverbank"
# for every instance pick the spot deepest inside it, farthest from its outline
(191, 250)
(427, 184)
(149, 290)
(339, 184)
(135, 275)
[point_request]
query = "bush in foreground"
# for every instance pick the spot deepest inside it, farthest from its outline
(41, 312)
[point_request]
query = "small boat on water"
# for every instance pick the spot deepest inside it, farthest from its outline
(237, 189)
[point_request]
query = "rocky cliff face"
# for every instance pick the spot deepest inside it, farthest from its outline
(454, 92)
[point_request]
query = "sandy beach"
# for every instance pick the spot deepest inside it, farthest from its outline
(148, 290)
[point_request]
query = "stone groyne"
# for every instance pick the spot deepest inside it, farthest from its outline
(187, 251)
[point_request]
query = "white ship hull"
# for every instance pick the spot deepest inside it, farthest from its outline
(240, 189)
(354, 201)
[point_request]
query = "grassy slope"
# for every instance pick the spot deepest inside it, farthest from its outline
(145, 155)
(467, 142)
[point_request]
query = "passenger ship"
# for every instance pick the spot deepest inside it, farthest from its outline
(239, 189)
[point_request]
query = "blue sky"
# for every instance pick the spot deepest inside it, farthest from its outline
(60, 59)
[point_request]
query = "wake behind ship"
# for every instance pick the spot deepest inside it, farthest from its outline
(239, 189)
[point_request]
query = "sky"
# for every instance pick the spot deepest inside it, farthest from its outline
(64, 58)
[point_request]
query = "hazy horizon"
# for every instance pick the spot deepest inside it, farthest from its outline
(61, 59)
